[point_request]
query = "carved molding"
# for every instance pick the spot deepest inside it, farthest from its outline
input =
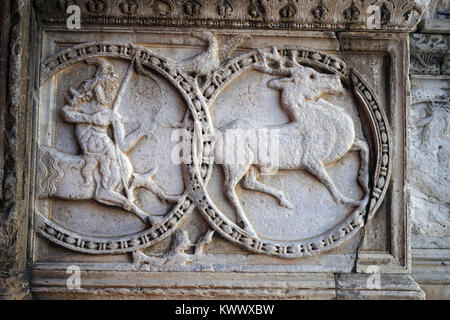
(429, 54)
(308, 65)
(15, 119)
(396, 15)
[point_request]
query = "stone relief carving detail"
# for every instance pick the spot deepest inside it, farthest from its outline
(161, 8)
(62, 4)
(297, 65)
(284, 14)
(129, 7)
(281, 62)
(428, 53)
(352, 12)
(209, 60)
(98, 92)
(302, 144)
(106, 172)
(96, 7)
(429, 168)
(177, 255)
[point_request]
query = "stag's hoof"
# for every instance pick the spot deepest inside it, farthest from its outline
(350, 203)
(249, 230)
(171, 198)
(154, 221)
(285, 202)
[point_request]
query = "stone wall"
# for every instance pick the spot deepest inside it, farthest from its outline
(430, 151)
(15, 116)
(35, 251)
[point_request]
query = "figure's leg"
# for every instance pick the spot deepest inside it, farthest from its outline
(363, 173)
(114, 178)
(113, 198)
(90, 163)
(105, 172)
(109, 196)
(317, 169)
(141, 181)
(233, 174)
(251, 183)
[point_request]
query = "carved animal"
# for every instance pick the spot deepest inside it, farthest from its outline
(208, 60)
(178, 252)
(319, 133)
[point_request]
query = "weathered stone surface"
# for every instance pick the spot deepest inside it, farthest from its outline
(428, 53)
(430, 176)
(429, 152)
(147, 172)
(304, 14)
(435, 18)
(14, 148)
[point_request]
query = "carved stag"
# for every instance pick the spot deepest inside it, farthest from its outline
(318, 134)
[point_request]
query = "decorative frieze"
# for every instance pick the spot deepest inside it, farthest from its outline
(429, 54)
(388, 15)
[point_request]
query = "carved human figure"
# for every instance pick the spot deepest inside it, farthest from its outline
(318, 133)
(105, 162)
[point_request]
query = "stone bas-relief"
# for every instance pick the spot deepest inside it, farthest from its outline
(430, 154)
(318, 133)
(40, 238)
(304, 149)
(267, 14)
(104, 169)
(110, 170)
(177, 256)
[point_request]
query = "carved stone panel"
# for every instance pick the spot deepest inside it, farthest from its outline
(211, 152)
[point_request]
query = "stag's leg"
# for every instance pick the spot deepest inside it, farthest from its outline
(146, 181)
(233, 174)
(363, 173)
(251, 183)
(317, 169)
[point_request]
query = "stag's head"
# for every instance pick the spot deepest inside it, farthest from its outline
(308, 84)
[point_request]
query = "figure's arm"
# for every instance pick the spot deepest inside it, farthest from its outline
(126, 143)
(71, 115)
(101, 118)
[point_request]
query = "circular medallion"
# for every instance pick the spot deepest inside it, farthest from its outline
(96, 168)
(333, 152)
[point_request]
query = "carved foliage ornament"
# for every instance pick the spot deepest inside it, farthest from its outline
(285, 14)
(428, 53)
(307, 74)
